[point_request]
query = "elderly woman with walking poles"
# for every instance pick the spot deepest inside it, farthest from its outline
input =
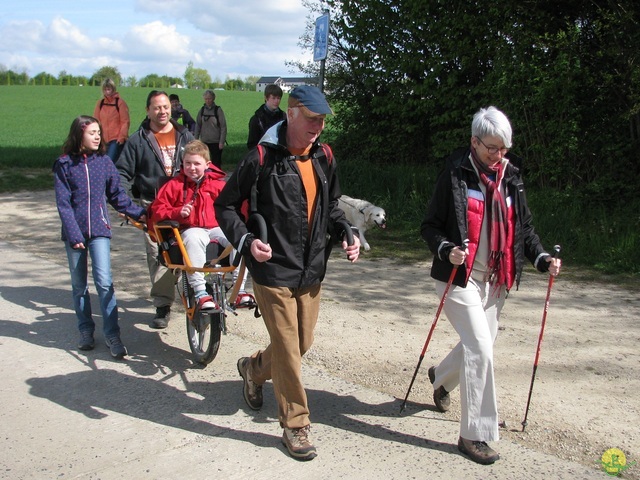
(479, 198)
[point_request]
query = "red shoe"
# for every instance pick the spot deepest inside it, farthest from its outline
(245, 300)
(206, 303)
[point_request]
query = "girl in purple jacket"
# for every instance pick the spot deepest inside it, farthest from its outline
(85, 180)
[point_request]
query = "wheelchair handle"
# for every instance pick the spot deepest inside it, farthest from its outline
(257, 226)
(347, 231)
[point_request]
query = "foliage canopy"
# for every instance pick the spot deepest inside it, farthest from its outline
(407, 76)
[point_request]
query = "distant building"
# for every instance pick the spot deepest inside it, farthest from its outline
(285, 83)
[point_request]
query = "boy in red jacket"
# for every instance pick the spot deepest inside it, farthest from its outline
(188, 199)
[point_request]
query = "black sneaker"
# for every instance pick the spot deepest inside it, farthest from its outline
(118, 350)
(478, 451)
(163, 315)
(86, 341)
(298, 443)
(251, 390)
(441, 397)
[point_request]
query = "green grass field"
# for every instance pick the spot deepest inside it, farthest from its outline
(36, 119)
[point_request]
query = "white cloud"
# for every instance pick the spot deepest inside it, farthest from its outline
(156, 40)
(226, 37)
(63, 37)
(19, 36)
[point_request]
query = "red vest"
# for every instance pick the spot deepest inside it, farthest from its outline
(475, 217)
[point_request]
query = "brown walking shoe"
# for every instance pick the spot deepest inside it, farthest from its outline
(441, 397)
(252, 391)
(297, 442)
(478, 451)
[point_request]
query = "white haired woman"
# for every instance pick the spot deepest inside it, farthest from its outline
(479, 198)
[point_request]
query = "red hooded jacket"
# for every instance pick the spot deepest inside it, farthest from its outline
(181, 190)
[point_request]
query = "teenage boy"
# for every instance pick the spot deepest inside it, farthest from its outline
(266, 116)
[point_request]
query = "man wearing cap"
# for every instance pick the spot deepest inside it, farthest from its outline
(296, 190)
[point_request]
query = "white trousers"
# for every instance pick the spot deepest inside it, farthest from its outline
(473, 312)
(195, 242)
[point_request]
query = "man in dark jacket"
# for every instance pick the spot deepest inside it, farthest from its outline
(296, 190)
(266, 116)
(151, 154)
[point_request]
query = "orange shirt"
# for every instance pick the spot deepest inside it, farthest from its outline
(309, 181)
(167, 143)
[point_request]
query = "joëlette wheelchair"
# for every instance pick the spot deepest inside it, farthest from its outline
(204, 328)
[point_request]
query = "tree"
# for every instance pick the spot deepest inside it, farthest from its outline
(64, 78)
(152, 80)
(196, 77)
(175, 81)
(44, 78)
(407, 75)
(10, 77)
(250, 82)
(234, 83)
(106, 72)
(130, 81)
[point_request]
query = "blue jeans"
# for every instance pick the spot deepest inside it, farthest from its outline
(100, 250)
(114, 149)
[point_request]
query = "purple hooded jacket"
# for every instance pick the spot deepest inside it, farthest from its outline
(83, 185)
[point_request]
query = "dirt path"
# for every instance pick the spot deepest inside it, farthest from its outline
(375, 317)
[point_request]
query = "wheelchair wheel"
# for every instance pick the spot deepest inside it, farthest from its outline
(204, 333)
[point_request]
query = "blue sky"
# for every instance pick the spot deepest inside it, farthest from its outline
(139, 37)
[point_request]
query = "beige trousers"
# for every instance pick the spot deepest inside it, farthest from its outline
(290, 316)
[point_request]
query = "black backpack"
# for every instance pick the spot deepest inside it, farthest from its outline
(102, 104)
(206, 117)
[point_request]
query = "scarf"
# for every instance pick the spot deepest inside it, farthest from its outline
(491, 177)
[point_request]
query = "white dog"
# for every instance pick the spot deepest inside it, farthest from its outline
(363, 215)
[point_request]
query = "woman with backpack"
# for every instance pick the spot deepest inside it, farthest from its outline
(211, 127)
(113, 114)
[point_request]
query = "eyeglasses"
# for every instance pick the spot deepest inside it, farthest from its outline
(493, 150)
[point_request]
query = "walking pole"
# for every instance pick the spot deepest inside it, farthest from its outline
(544, 321)
(433, 327)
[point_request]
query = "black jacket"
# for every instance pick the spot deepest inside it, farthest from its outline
(183, 117)
(446, 218)
(140, 164)
(263, 119)
(300, 253)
